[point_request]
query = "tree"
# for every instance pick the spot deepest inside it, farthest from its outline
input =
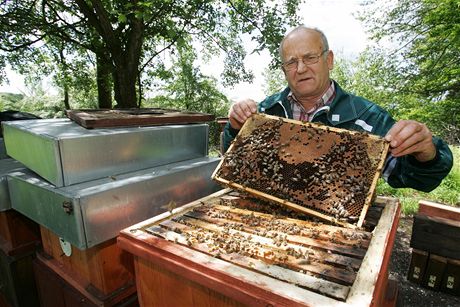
(274, 80)
(425, 61)
(125, 37)
(187, 88)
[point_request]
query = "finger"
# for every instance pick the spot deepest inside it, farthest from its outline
(249, 107)
(405, 133)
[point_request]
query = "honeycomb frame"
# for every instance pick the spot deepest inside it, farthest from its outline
(327, 172)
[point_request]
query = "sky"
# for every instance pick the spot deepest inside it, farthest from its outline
(334, 17)
(345, 35)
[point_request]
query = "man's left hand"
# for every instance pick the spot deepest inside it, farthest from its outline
(409, 137)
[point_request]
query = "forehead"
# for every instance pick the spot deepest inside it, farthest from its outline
(301, 42)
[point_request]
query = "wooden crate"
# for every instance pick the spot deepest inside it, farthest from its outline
(101, 270)
(229, 250)
(324, 171)
(17, 283)
(58, 287)
(18, 234)
(436, 235)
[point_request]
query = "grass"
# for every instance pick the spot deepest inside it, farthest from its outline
(448, 192)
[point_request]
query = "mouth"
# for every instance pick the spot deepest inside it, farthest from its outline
(304, 80)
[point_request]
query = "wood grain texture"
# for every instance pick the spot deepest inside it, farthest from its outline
(105, 267)
(105, 118)
(433, 209)
(163, 256)
(18, 234)
(436, 235)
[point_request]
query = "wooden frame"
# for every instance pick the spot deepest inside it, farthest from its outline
(302, 145)
(242, 285)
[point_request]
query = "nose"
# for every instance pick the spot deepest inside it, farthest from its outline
(301, 67)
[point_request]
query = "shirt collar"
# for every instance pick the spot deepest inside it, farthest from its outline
(325, 100)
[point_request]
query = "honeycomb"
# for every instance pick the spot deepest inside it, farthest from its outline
(328, 172)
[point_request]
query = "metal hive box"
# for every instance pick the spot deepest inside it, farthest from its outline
(65, 153)
(327, 172)
(93, 212)
(7, 166)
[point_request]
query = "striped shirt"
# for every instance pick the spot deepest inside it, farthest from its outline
(299, 112)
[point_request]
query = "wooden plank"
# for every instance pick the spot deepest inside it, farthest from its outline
(373, 273)
(322, 248)
(106, 267)
(321, 231)
(417, 266)
(436, 235)
(263, 249)
(18, 234)
(175, 289)
(326, 172)
(105, 118)
(434, 272)
(301, 279)
(240, 284)
(433, 209)
(61, 287)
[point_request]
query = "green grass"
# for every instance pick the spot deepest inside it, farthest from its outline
(447, 193)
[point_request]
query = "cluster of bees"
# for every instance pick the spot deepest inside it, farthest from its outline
(325, 170)
(238, 232)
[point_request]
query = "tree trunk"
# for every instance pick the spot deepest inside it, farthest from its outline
(104, 83)
(125, 87)
(66, 97)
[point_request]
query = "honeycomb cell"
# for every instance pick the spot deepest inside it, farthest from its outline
(329, 170)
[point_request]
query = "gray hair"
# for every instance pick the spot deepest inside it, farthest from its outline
(303, 28)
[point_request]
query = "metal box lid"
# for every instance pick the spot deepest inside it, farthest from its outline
(7, 166)
(64, 153)
(90, 213)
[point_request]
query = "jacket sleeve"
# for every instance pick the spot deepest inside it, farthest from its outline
(407, 172)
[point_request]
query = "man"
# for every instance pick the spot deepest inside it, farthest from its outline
(417, 160)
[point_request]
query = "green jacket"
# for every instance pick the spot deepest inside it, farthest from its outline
(352, 112)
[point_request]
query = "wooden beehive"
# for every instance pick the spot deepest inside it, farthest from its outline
(327, 172)
(229, 249)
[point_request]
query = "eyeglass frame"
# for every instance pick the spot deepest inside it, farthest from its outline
(314, 58)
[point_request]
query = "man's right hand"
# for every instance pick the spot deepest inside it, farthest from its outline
(240, 111)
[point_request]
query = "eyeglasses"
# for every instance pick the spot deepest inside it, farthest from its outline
(307, 59)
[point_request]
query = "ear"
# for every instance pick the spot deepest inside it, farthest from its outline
(330, 59)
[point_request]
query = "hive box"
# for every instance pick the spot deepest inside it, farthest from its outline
(64, 153)
(222, 250)
(7, 166)
(89, 213)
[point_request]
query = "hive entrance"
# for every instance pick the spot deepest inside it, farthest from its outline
(328, 172)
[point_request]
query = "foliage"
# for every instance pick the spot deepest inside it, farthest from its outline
(448, 192)
(274, 80)
(123, 39)
(186, 88)
(424, 65)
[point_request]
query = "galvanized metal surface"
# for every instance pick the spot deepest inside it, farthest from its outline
(90, 213)
(64, 153)
(7, 166)
(2, 149)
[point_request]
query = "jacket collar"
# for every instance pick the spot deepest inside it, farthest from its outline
(345, 107)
